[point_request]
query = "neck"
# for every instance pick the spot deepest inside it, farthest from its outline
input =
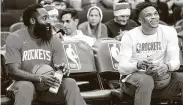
(73, 34)
(149, 31)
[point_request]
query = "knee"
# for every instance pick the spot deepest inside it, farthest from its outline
(146, 82)
(27, 86)
(69, 83)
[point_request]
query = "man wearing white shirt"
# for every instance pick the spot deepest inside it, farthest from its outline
(148, 52)
(69, 18)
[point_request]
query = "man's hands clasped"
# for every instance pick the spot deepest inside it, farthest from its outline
(52, 81)
(151, 68)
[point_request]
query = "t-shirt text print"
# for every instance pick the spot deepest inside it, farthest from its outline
(40, 54)
(148, 47)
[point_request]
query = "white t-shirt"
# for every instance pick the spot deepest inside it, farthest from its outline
(82, 37)
(162, 47)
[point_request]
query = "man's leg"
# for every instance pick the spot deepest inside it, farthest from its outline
(175, 86)
(68, 91)
(140, 85)
(24, 92)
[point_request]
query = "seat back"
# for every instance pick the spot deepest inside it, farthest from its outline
(16, 26)
(106, 52)
(4, 35)
(79, 57)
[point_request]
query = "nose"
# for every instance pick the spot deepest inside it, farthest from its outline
(153, 16)
(64, 24)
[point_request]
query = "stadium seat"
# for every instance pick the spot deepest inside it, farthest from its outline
(80, 60)
(16, 26)
(5, 100)
(106, 52)
(4, 35)
(7, 19)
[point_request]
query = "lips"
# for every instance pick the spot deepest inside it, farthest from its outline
(154, 22)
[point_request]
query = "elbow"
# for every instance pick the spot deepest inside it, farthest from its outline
(175, 66)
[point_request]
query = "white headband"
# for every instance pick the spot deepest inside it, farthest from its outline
(126, 11)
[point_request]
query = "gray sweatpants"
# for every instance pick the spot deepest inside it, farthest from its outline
(141, 86)
(25, 93)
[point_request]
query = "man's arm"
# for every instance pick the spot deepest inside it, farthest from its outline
(126, 66)
(18, 74)
(173, 51)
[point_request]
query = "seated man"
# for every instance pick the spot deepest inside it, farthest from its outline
(32, 46)
(69, 18)
(121, 23)
(150, 52)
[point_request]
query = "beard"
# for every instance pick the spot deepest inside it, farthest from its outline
(43, 32)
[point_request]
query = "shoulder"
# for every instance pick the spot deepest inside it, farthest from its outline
(168, 30)
(109, 22)
(103, 26)
(16, 37)
(134, 31)
(132, 22)
(83, 25)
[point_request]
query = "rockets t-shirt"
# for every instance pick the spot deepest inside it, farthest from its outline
(23, 49)
(161, 47)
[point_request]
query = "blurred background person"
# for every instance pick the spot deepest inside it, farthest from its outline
(121, 23)
(60, 4)
(93, 27)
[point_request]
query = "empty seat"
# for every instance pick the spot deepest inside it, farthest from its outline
(106, 52)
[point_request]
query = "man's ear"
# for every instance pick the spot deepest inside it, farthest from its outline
(139, 20)
(32, 21)
(76, 21)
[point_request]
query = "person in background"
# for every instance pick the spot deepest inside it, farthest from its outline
(35, 45)
(121, 23)
(53, 18)
(60, 4)
(149, 53)
(69, 18)
(93, 27)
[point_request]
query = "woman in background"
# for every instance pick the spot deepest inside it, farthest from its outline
(93, 27)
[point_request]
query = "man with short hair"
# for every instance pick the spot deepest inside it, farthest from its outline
(32, 46)
(70, 20)
(121, 23)
(149, 57)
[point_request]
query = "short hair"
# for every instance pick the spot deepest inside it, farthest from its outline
(73, 12)
(143, 5)
(30, 12)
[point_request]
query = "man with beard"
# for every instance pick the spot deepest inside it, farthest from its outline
(150, 52)
(32, 46)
